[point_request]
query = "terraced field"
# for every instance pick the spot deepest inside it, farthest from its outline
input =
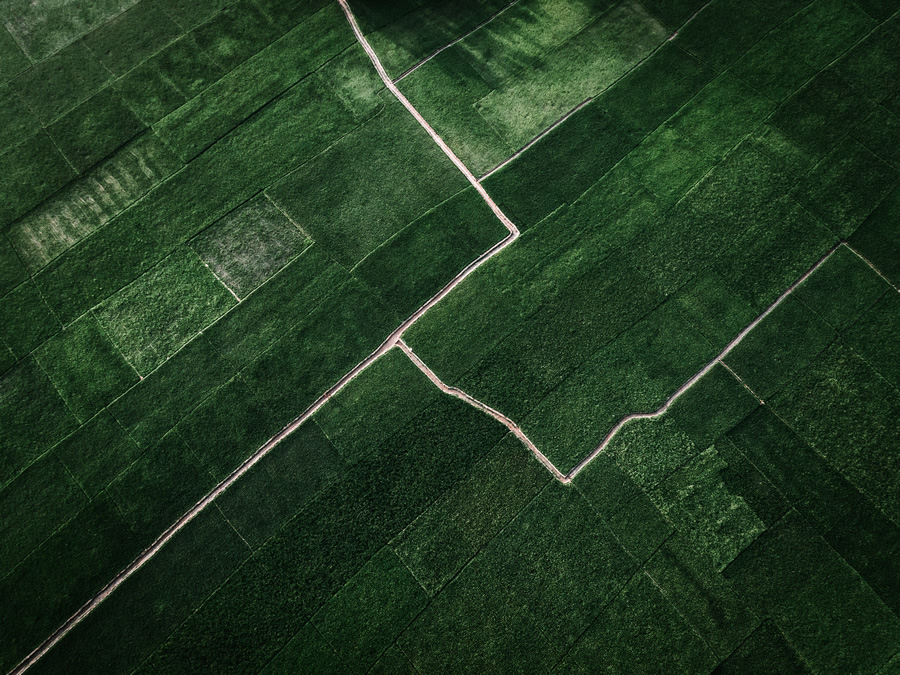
(450, 336)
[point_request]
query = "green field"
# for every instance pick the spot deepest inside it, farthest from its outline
(212, 212)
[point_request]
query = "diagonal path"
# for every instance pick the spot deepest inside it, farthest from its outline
(391, 341)
(718, 359)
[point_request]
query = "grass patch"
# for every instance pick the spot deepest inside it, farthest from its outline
(85, 367)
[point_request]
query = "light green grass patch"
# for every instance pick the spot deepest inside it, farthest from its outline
(249, 245)
(151, 318)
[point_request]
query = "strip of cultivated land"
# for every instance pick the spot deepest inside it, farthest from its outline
(179, 284)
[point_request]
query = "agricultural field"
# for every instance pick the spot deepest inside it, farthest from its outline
(495, 336)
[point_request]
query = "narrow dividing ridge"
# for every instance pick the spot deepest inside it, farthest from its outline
(499, 416)
(718, 359)
(385, 346)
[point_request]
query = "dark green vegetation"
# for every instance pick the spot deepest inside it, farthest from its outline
(212, 211)
(171, 295)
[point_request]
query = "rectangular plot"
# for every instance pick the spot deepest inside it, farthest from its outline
(155, 405)
(378, 403)
(721, 114)
(771, 67)
(159, 487)
(165, 81)
(12, 271)
(34, 505)
(89, 202)
(700, 594)
(846, 187)
(669, 643)
(56, 85)
(649, 450)
(865, 538)
(61, 575)
(783, 344)
(25, 319)
(254, 155)
(159, 313)
(29, 173)
(281, 484)
(131, 623)
(318, 351)
(42, 28)
(724, 30)
(874, 336)
(849, 416)
(561, 560)
(249, 245)
(236, 33)
(714, 308)
(97, 452)
(879, 240)
(227, 428)
(439, 543)
(12, 59)
(131, 37)
(824, 29)
(371, 610)
(611, 45)
(198, 124)
(871, 65)
(85, 367)
(307, 651)
(414, 264)
(263, 316)
(95, 129)
(404, 175)
(33, 417)
(789, 573)
(668, 163)
(17, 122)
(765, 648)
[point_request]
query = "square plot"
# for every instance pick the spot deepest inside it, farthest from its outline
(53, 87)
(97, 452)
(714, 308)
(771, 67)
(842, 289)
(307, 652)
(157, 314)
(668, 163)
(721, 114)
(824, 29)
(649, 450)
(846, 186)
(85, 366)
(131, 37)
(95, 129)
(12, 59)
(246, 247)
(365, 617)
(33, 417)
(25, 319)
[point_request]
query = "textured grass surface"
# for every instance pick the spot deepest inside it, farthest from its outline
(400, 528)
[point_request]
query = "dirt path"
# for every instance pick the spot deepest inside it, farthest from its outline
(388, 344)
(719, 359)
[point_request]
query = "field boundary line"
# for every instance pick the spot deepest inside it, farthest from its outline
(719, 359)
(415, 67)
(497, 415)
(267, 447)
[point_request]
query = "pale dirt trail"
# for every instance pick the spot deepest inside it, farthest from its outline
(385, 346)
(719, 359)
